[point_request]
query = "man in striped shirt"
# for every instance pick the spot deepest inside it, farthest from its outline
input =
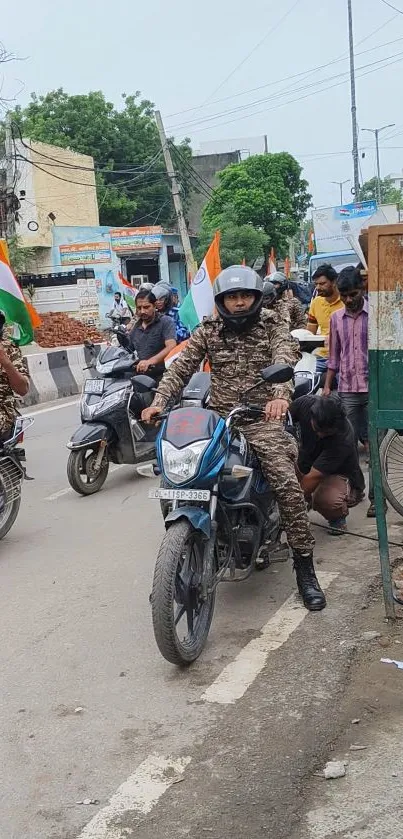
(348, 352)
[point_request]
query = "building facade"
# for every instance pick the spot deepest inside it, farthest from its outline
(88, 264)
(54, 186)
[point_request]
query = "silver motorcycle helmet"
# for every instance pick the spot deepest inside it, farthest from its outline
(280, 282)
(269, 292)
(238, 278)
(163, 291)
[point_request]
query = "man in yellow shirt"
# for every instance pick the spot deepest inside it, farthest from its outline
(321, 309)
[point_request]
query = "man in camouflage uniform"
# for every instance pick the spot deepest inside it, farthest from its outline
(13, 380)
(290, 310)
(238, 343)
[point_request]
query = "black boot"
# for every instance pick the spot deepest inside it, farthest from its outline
(307, 582)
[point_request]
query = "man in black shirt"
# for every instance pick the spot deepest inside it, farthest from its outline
(153, 335)
(329, 471)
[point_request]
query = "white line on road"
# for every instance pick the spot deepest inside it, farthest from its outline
(52, 408)
(58, 494)
(66, 490)
(237, 677)
(139, 793)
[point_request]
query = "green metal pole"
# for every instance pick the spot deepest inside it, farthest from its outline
(381, 521)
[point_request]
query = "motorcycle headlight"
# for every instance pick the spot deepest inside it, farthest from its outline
(180, 465)
(103, 405)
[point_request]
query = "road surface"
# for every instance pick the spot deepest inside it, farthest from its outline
(91, 712)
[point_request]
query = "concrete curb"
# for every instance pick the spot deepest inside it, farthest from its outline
(57, 373)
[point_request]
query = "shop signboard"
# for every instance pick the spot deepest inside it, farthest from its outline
(84, 253)
(130, 239)
(332, 225)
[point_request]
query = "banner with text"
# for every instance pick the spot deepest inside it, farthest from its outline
(79, 253)
(136, 239)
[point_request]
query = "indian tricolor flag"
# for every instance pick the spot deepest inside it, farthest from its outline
(129, 293)
(12, 301)
(199, 301)
(271, 262)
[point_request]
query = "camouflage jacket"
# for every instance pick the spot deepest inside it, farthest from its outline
(8, 400)
(235, 362)
(293, 312)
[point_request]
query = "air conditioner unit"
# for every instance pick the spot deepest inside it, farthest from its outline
(136, 280)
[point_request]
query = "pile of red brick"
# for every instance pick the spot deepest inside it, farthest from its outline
(60, 330)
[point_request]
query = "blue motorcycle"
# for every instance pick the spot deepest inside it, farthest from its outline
(218, 508)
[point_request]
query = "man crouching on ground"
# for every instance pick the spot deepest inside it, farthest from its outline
(328, 467)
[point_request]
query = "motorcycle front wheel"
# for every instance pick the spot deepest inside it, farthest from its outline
(10, 500)
(82, 475)
(181, 618)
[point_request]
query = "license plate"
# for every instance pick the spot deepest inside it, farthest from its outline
(94, 386)
(180, 494)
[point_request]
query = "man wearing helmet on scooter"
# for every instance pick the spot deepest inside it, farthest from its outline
(164, 297)
(291, 309)
(238, 341)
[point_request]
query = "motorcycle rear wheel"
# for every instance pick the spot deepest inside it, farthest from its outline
(176, 594)
(80, 475)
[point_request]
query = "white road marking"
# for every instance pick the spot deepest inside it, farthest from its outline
(139, 793)
(27, 411)
(66, 490)
(58, 494)
(237, 677)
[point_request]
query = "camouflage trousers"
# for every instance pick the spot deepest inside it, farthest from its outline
(277, 452)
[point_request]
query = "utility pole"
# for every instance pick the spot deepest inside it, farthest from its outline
(377, 132)
(353, 104)
(340, 184)
(183, 231)
(266, 145)
(10, 220)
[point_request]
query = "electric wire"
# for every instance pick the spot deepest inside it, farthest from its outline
(259, 44)
(301, 74)
(198, 180)
(386, 3)
(103, 170)
(212, 117)
(291, 101)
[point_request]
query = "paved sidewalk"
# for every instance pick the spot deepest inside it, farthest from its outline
(367, 802)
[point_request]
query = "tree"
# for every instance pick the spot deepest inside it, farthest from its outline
(132, 184)
(238, 241)
(265, 191)
(19, 256)
(389, 193)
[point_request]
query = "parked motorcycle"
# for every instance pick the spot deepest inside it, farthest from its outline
(119, 327)
(111, 431)
(12, 474)
(305, 369)
(220, 511)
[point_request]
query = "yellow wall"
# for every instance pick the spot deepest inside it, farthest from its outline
(71, 196)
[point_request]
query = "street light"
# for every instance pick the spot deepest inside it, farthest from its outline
(377, 132)
(341, 184)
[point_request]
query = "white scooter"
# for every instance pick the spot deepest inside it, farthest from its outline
(306, 367)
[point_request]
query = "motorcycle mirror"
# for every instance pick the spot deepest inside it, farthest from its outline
(277, 374)
(123, 339)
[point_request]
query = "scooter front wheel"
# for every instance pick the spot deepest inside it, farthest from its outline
(83, 476)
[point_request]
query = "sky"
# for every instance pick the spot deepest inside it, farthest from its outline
(211, 57)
